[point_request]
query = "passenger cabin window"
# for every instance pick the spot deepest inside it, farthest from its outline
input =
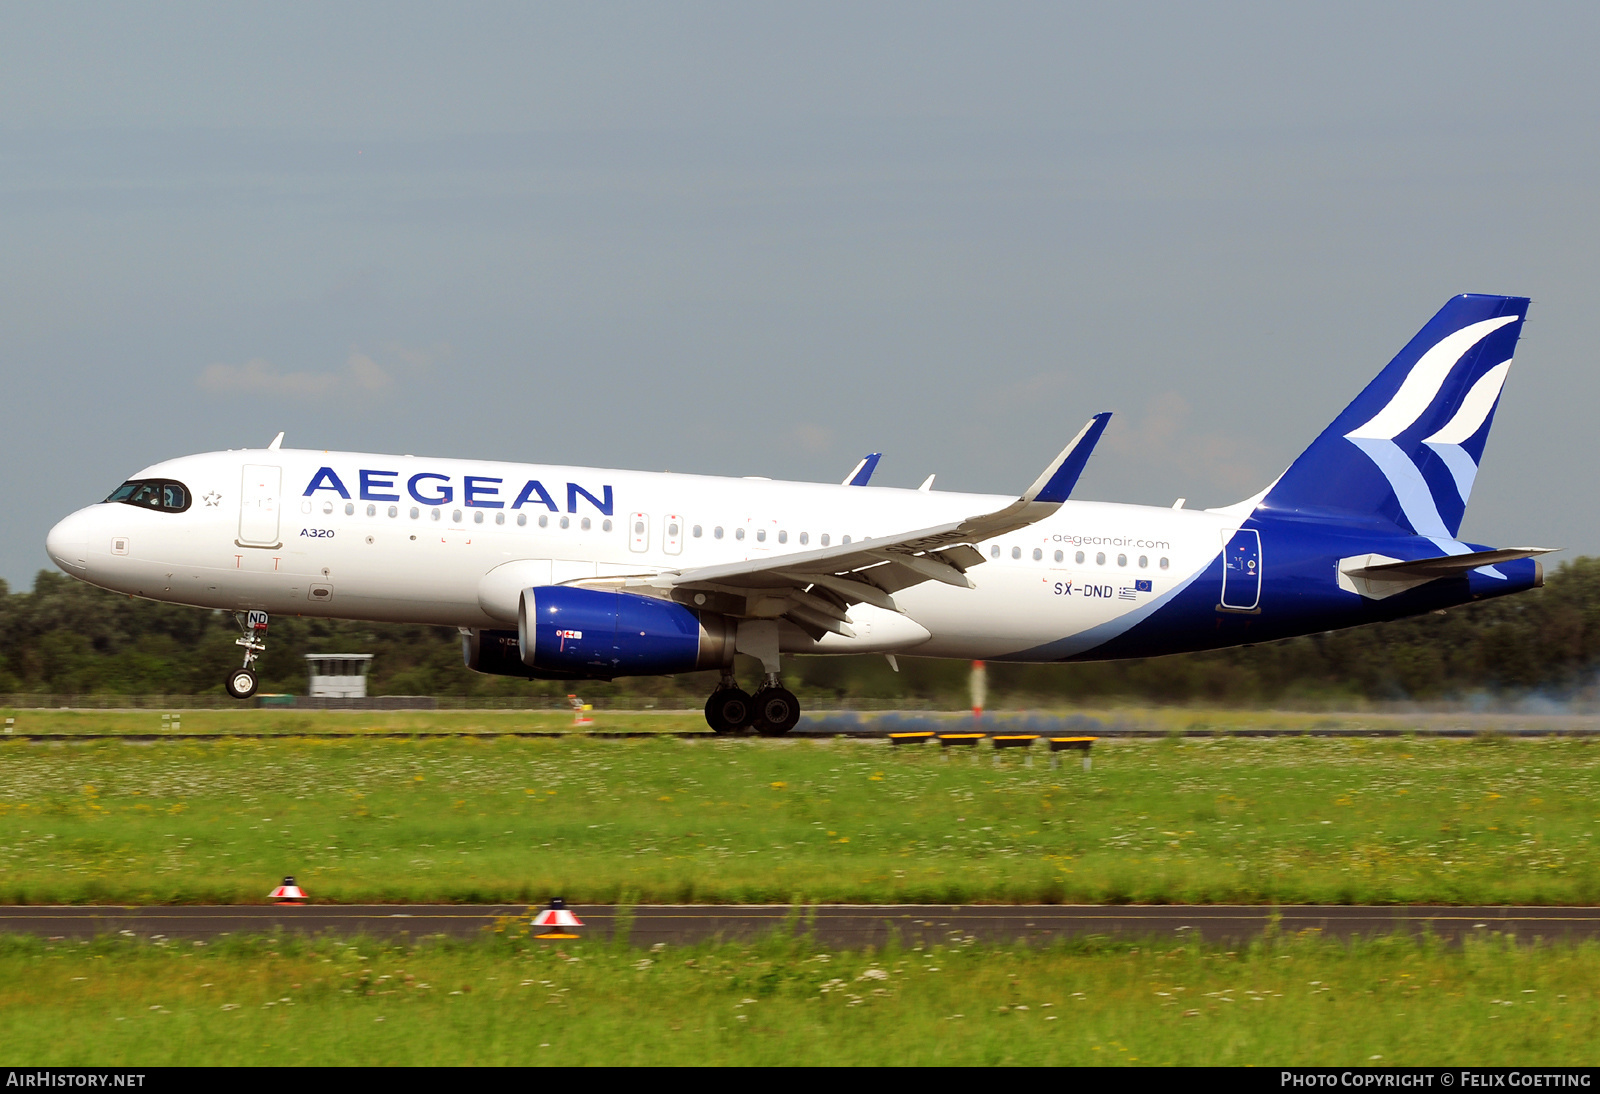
(1037, 554)
(327, 508)
(761, 535)
(1144, 561)
(499, 518)
(1059, 556)
(168, 497)
(394, 511)
(824, 539)
(350, 509)
(477, 518)
(1100, 558)
(1016, 552)
(805, 538)
(716, 533)
(1078, 558)
(415, 512)
(566, 522)
(738, 533)
(455, 517)
(522, 520)
(1163, 562)
(544, 520)
(1122, 560)
(994, 552)
(605, 526)
(436, 514)
(372, 510)
(584, 524)
(695, 532)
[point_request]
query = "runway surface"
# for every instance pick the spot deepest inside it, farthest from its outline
(839, 925)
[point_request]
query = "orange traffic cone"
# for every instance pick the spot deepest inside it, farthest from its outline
(556, 920)
(288, 893)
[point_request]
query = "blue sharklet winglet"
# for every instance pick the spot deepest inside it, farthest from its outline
(862, 472)
(1056, 484)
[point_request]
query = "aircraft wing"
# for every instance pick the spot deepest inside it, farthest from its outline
(816, 588)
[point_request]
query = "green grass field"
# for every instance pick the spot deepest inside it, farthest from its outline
(1304, 820)
(285, 1002)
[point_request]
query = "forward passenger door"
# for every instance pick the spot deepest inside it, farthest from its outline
(260, 502)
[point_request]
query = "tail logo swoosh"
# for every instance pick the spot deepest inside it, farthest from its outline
(1420, 388)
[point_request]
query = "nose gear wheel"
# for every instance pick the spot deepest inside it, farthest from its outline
(241, 683)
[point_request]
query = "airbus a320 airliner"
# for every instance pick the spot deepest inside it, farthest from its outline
(555, 572)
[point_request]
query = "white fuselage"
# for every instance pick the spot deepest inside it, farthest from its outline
(449, 542)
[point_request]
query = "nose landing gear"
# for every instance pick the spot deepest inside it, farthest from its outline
(241, 683)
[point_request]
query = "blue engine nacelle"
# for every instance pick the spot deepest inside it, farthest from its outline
(596, 634)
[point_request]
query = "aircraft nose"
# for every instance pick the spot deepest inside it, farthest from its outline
(68, 543)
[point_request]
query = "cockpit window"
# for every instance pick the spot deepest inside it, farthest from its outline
(168, 497)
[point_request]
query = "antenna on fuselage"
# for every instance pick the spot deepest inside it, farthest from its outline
(276, 442)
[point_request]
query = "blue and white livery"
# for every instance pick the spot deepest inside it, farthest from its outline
(583, 573)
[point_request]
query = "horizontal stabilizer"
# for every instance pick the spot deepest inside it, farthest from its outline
(1451, 565)
(1379, 576)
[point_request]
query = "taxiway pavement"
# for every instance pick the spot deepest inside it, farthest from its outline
(838, 925)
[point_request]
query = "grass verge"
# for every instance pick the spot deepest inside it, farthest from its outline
(665, 820)
(506, 1000)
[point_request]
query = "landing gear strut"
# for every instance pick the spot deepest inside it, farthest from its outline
(241, 683)
(773, 710)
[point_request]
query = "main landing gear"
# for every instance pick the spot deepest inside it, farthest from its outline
(772, 711)
(241, 683)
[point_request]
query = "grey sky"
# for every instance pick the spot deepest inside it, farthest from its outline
(747, 239)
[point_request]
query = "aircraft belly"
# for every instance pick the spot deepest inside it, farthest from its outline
(1019, 608)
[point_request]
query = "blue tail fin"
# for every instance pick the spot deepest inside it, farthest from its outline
(1406, 451)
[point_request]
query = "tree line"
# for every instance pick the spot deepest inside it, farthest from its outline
(68, 638)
